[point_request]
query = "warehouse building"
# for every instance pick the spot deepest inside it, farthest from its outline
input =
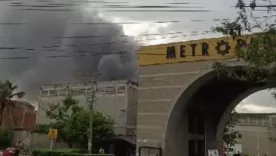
(116, 99)
(257, 133)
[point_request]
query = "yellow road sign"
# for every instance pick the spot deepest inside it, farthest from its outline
(53, 133)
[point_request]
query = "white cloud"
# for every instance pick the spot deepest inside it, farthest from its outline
(259, 102)
(144, 28)
(252, 108)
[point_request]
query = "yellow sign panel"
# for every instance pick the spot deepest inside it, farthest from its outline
(197, 50)
(53, 133)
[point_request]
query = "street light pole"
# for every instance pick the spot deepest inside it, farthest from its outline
(92, 101)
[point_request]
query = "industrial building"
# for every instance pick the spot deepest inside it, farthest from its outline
(257, 133)
(116, 99)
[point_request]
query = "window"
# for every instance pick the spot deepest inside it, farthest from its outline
(89, 90)
(241, 121)
(110, 90)
(44, 93)
(53, 93)
(82, 91)
(253, 122)
(246, 121)
(265, 121)
(258, 122)
(121, 89)
(101, 90)
(239, 136)
(62, 92)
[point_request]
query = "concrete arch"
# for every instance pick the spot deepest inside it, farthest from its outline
(178, 107)
(231, 107)
(213, 98)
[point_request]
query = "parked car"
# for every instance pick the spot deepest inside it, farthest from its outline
(9, 151)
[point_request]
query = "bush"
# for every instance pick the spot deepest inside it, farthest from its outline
(83, 154)
(5, 139)
(55, 152)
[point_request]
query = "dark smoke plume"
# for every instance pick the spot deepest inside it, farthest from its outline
(35, 41)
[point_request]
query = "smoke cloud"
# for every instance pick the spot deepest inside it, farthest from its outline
(35, 41)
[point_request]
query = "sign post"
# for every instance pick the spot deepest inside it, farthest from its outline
(51, 145)
(52, 136)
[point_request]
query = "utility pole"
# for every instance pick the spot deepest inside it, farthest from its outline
(258, 145)
(92, 101)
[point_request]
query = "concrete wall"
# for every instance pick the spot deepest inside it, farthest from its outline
(35, 141)
(168, 92)
(132, 110)
(254, 137)
(159, 88)
(257, 130)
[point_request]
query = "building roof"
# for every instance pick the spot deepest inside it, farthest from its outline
(81, 84)
(24, 104)
(256, 114)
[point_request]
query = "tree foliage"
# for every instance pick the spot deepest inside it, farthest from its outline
(259, 54)
(72, 122)
(230, 134)
(7, 96)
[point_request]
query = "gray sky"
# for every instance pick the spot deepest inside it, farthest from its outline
(218, 9)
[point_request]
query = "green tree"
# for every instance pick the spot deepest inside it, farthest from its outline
(7, 96)
(260, 53)
(230, 134)
(72, 122)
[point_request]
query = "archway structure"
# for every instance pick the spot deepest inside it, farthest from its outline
(187, 115)
(205, 107)
(182, 105)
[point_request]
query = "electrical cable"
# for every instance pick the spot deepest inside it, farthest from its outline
(48, 48)
(125, 23)
(121, 35)
(86, 53)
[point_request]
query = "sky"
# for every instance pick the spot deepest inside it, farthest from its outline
(55, 23)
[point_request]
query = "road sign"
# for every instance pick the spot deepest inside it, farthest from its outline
(52, 133)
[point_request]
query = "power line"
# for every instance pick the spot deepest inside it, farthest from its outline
(120, 35)
(109, 10)
(48, 48)
(147, 6)
(124, 23)
(15, 58)
(13, 23)
(86, 53)
(126, 41)
(87, 1)
(105, 6)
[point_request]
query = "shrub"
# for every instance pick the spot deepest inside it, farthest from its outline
(5, 138)
(83, 154)
(55, 152)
